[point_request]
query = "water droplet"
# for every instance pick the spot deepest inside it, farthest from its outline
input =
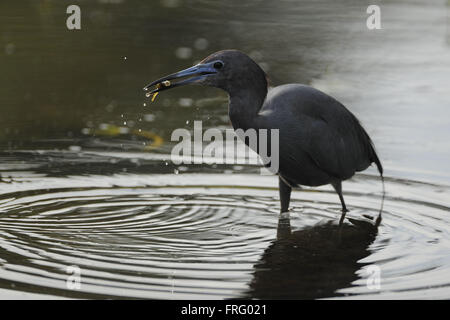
(144, 104)
(201, 44)
(187, 121)
(183, 52)
(185, 102)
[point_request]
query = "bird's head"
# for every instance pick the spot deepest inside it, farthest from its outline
(230, 70)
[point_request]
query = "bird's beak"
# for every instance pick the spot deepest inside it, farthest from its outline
(193, 74)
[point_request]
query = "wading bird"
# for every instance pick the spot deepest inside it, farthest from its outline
(320, 141)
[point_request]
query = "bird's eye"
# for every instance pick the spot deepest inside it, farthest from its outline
(218, 65)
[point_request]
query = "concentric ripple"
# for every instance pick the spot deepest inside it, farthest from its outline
(203, 236)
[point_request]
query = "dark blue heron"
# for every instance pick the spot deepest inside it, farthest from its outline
(320, 140)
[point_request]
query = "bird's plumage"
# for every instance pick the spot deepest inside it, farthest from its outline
(318, 135)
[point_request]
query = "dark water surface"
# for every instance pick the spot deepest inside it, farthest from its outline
(87, 180)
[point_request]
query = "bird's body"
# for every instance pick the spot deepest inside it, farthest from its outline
(320, 141)
(318, 135)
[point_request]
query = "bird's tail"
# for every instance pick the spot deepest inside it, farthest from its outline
(373, 157)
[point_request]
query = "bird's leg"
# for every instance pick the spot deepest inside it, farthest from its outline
(378, 221)
(284, 227)
(285, 194)
(338, 188)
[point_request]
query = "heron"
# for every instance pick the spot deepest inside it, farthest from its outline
(320, 141)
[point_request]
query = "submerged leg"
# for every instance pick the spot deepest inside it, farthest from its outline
(284, 226)
(378, 221)
(338, 188)
(285, 195)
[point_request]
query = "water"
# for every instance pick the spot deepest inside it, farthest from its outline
(87, 180)
(137, 234)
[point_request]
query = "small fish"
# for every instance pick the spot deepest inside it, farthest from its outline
(159, 86)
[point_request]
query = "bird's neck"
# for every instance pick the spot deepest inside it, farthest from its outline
(244, 107)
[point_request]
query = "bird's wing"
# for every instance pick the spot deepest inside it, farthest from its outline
(336, 140)
(325, 130)
(333, 151)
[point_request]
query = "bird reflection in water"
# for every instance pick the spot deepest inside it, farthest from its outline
(313, 262)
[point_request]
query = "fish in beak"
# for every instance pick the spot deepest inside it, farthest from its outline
(193, 74)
